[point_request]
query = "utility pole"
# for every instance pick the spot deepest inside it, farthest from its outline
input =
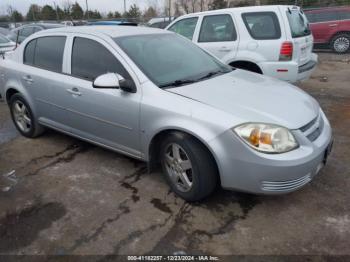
(87, 10)
(124, 6)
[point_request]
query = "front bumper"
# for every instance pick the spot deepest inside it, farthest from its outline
(245, 169)
(290, 71)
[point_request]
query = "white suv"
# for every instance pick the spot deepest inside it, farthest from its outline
(271, 40)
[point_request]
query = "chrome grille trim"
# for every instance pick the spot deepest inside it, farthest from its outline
(279, 186)
(313, 129)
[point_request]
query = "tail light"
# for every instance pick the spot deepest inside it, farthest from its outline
(286, 52)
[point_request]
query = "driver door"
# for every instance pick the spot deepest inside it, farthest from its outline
(107, 116)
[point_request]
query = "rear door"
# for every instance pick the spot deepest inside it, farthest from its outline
(301, 35)
(43, 58)
(218, 35)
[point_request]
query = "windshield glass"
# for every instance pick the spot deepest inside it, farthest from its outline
(3, 40)
(170, 60)
(298, 23)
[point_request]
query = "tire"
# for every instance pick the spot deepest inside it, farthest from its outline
(341, 43)
(23, 117)
(201, 171)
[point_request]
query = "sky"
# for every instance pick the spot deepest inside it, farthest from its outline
(101, 5)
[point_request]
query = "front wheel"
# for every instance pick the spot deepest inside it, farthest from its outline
(188, 166)
(341, 43)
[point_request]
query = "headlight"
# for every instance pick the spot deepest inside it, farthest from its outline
(266, 137)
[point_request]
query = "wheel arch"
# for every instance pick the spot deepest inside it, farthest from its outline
(155, 142)
(338, 33)
(247, 64)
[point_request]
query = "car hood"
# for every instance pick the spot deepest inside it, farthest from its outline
(252, 97)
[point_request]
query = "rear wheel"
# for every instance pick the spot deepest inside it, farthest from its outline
(341, 43)
(23, 117)
(188, 166)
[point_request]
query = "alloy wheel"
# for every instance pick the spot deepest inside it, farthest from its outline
(179, 167)
(22, 116)
(341, 44)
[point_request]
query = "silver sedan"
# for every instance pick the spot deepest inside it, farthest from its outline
(155, 96)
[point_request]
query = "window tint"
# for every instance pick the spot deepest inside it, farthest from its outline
(298, 24)
(26, 31)
(344, 14)
(49, 53)
(46, 53)
(185, 27)
(217, 28)
(29, 53)
(262, 25)
(91, 59)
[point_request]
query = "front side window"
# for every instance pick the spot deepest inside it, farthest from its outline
(46, 53)
(299, 26)
(322, 17)
(91, 59)
(167, 59)
(262, 25)
(217, 28)
(185, 27)
(344, 14)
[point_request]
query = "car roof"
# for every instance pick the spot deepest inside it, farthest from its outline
(243, 9)
(112, 31)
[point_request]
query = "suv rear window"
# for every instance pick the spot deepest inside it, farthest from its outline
(299, 26)
(262, 25)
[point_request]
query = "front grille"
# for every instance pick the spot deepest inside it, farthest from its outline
(280, 186)
(313, 129)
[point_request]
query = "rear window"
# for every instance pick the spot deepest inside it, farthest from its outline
(298, 23)
(262, 25)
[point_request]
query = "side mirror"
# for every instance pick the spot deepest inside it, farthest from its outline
(112, 80)
(109, 80)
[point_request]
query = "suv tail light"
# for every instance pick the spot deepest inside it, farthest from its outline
(286, 52)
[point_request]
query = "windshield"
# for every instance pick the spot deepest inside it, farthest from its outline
(3, 40)
(170, 60)
(298, 23)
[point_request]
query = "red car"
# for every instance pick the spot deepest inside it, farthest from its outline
(331, 26)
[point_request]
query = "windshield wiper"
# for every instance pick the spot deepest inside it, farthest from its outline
(177, 83)
(210, 74)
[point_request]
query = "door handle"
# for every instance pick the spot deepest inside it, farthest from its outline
(28, 79)
(74, 91)
(333, 25)
(225, 49)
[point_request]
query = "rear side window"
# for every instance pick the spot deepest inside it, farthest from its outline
(185, 27)
(299, 26)
(262, 25)
(46, 53)
(91, 59)
(217, 28)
